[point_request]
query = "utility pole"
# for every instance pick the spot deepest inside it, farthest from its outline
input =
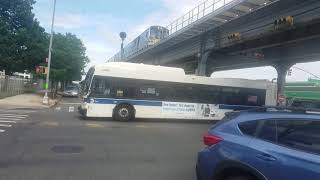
(46, 98)
(123, 36)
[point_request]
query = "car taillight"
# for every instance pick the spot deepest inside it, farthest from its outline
(210, 140)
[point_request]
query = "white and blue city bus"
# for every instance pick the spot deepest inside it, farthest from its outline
(125, 91)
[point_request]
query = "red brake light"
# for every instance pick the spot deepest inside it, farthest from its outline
(210, 140)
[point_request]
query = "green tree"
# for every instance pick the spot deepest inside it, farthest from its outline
(68, 58)
(23, 42)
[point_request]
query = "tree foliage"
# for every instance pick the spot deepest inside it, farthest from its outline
(22, 40)
(24, 43)
(68, 57)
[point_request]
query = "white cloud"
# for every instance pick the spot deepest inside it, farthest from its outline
(301, 75)
(172, 9)
(71, 21)
(248, 73)
(270, 73)
(102, 40)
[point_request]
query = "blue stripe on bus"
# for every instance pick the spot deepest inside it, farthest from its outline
(129, 101)
(159, 103)
(236, 107)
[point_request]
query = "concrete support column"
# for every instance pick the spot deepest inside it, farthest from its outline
(202, 64)
(155, 60)
(282, 69)
(203, 57)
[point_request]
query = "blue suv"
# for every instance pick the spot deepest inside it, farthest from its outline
(263, 144)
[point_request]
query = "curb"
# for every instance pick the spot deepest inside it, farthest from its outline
(56, 102)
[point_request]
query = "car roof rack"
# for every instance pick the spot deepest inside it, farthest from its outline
(283, 109)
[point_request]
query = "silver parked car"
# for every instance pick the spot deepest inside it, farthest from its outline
(71, 91)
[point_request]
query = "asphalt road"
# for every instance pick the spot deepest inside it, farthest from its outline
(52, 144)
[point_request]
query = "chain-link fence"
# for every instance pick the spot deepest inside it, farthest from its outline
(11, 86)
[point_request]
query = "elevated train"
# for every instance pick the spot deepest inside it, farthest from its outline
(149, 37)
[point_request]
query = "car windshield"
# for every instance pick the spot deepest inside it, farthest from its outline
(71, 88)
(128, 89)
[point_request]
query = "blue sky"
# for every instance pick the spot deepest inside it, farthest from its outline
(98, 23)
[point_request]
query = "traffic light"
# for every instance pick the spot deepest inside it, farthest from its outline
(283, 22)
(289, 72)
(41, 70)
(234, 37)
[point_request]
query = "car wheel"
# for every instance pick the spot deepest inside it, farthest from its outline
(198, 174)
(123, 112)
(239, 178)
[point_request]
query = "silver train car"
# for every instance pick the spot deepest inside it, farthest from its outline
(149, 37)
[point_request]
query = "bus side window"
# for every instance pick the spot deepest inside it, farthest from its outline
(206, 94)
(123, 88)
(148, 92)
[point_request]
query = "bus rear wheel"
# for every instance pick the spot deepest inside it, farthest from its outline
(123, 112)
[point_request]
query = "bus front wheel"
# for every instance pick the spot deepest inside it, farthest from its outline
(123, 112)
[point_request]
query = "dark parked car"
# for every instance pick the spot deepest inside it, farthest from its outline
(264, 144)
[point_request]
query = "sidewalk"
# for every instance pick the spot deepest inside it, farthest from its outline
(25, 100)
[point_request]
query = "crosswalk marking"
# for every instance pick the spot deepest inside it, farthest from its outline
(5, 125)
(10, 117)
(8, 122)
(14, 119)
(22, 115)
(17, 117)
(16, 111)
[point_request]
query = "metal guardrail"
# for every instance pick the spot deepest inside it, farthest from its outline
(202, 10)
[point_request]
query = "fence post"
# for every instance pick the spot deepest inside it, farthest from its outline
(204, 8)
(198, 12)
(177, 25)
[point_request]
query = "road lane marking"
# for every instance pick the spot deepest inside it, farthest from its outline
(94, 125)
(141, 126)
(71, 109)
(70, 103)
(56, 124)
(8, 121)
(1, 130)
(5, 125)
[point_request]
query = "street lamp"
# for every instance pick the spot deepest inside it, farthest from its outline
(123, 36)
(45, 98)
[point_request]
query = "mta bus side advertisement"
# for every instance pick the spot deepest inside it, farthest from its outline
(125, 91)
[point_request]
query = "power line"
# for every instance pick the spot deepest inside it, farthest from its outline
(314, 75)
